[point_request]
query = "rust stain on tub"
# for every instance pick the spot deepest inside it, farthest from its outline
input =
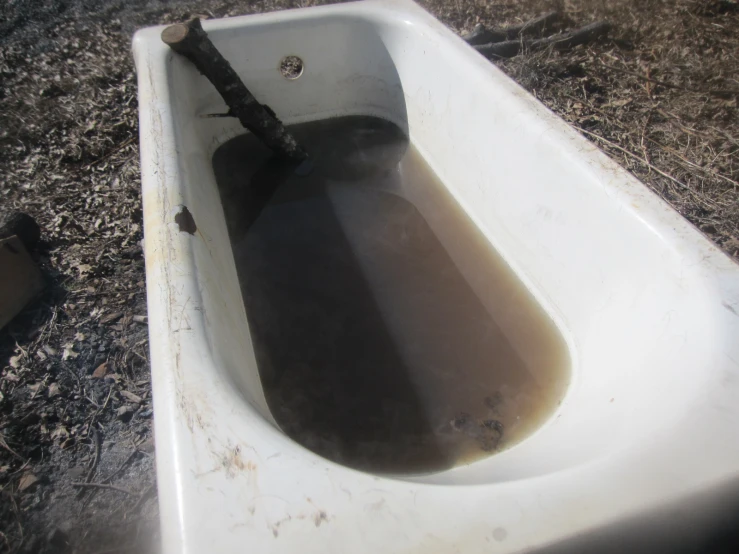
(233, 463)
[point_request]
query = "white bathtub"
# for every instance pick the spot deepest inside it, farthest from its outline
(648, 306)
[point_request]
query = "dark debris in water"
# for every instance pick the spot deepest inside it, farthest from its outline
(487, 433)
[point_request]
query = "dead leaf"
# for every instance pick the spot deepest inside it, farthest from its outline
(54, 390)
(727, 102)
(131, 397)
(69, 352)
(60, 433)
(83, 269)
(731, 245)
(15, 361)
(618, 103)
(27, 481)
(100, 371)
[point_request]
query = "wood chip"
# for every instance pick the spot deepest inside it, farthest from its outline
(110, 318)
(125, 413)
(131, 397)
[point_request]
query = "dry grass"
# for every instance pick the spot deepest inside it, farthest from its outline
(662, 95)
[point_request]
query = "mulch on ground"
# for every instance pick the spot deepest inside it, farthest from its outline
(76, 448)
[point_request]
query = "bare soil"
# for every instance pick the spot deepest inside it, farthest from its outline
(660, 96)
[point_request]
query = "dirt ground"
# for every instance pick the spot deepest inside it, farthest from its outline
(76, 448)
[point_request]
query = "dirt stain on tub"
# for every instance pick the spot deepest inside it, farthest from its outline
(185, 221)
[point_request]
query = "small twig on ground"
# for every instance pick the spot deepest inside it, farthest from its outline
(563, 41)
(632, 155)
(47, 329)
(103, 486)
(654, 168)
(43, 385)
(86, 293)
(17, 514)
(664, 148)
(147, 493)
(481, 35)
(99, 410)
(109, 154)
(93, 466)
(643, 138)
(120, 467)
(20, 469)
(4, 445)
(693, 165)
(91, 401)
(96, 439)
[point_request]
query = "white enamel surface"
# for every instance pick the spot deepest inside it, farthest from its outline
(647, 305)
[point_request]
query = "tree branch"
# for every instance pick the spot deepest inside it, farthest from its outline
(480, 35)
(563, 41)
(190, 40)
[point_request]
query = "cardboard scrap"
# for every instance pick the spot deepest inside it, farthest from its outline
(20, 278)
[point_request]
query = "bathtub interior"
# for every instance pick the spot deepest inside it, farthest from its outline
(635, 308)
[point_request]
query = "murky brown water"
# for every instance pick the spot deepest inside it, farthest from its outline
(389, 334)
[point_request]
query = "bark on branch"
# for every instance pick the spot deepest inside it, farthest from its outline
(480, 35)
(190, 40)
(510, 48)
